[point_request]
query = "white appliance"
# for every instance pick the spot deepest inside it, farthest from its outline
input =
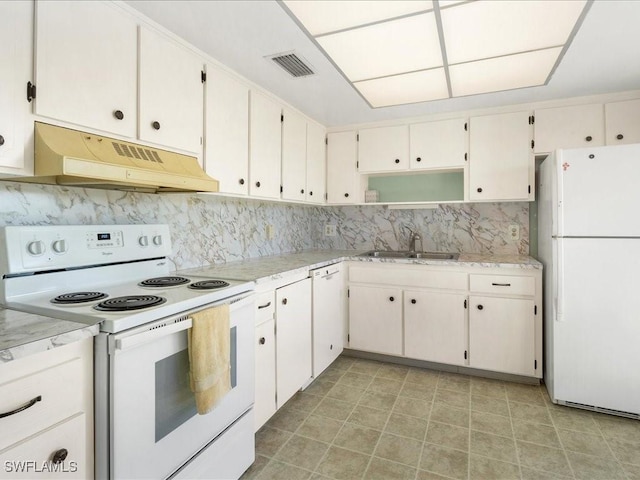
(589, 243)
(328, 314)
(119, 276)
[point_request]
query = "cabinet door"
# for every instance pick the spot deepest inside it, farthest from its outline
(265, 129)
(434, 326)
(316, 164)
(227, 131)
(568, 127)
(16, 19)
(375, 319)
(342, 175)
(265, 399)
(383, 149)
(293, 338)
(438, 144)
(622, 122)
(171, 93)
(501, 165)
(294, 156)
(86, 65)
(502, 335)
(328, 319)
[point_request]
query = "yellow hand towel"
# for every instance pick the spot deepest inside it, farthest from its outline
(209, 357)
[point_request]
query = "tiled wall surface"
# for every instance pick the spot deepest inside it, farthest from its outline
(209, 229)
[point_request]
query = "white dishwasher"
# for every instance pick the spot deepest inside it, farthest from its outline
(329, 315)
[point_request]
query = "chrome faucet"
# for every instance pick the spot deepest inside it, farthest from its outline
(415, 237)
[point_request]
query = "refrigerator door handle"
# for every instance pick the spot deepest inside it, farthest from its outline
(559, 290)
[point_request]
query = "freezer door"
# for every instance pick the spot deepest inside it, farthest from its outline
(597, 327)
(598, 193)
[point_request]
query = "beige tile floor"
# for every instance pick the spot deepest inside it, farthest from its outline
(372, 420)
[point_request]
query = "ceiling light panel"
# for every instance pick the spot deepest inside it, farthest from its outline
(407, 88)
(485, 29)
(321, 17)
(503, 73)
(398, 46)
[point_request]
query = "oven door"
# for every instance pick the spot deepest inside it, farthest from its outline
(154, 425)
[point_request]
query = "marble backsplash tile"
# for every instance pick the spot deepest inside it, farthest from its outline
(210, 229)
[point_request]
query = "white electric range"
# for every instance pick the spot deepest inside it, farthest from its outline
(119, 277)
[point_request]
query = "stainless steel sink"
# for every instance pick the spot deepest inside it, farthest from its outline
(435, 255)
(408, 254)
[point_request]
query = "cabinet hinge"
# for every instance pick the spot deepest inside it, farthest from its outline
(535, 309)
(465, 304)
(465, 156)
(465, 354)
(326, 196)
(281, 118)
(31, 91)
(529, 188)
(348, 293)
(357, 164)
(532, 120)
(348, 337)
(532, 143)
(357, 137)
(535, 364)
(465, 126)
(326, 140)
(281, 189)
(203, 76)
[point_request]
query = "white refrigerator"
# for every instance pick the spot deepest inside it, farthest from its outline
(589, 243)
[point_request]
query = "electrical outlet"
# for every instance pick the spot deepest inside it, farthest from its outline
(514, 231)
(270, 231)
(329, 230)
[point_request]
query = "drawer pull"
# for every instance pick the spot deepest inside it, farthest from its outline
(264, 306)
(501, 284)
(29, 404)
(480, 307)
(59, 456)
(262, 341)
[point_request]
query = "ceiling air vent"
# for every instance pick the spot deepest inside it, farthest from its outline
(292, 63)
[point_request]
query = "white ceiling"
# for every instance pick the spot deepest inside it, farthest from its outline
(603, 57)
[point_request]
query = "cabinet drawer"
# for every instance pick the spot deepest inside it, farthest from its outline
(33, 458)
(502, 284)
(265, 306)
(60, 389)
(418, 276)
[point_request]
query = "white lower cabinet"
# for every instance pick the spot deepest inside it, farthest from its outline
(502, 335)
(435, 326)
(375, 319)
(479, 317)
(265, 341)
(293, 339)
(46, 402)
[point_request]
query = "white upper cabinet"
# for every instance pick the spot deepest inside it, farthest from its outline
(294, 156)
(170, 93)
(568, 127)
(622, 122)
(86, 65)
(15, 71)
(342, 176)
(227, 131)
(316, 163)
(265, 146)
(436, 145)
(383, 149)
(501, 164)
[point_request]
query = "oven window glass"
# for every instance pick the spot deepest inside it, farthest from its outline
(175, 403)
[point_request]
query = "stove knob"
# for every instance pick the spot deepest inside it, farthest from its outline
(59, 246)
(143, 241)
(36, 247)
(157, 240)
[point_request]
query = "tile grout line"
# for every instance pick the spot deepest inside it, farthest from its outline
(424, 440)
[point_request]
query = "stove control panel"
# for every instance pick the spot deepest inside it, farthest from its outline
(30, 249)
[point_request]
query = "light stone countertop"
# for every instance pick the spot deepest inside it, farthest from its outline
(264, 269)
(23, 334)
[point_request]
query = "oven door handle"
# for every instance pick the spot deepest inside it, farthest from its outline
(151, 335)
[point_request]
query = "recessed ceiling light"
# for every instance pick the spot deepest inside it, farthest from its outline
(406, 88)
(385, 49)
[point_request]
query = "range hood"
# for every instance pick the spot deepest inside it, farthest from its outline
(70, 157)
